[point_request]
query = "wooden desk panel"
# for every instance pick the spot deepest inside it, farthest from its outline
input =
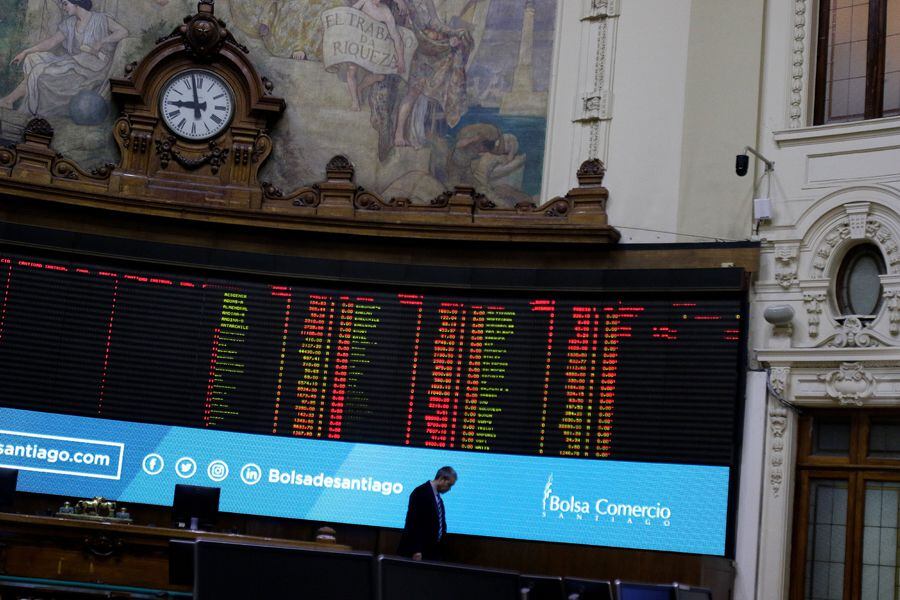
(100, 552)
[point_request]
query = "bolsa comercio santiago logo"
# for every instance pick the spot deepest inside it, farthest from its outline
(548, 491)
(603, 509)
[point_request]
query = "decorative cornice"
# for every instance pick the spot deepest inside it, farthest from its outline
(32, 169)
(799, 357)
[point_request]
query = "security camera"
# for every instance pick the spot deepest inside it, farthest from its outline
(741, 164)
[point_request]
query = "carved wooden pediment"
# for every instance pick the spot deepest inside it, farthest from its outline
(166, 174)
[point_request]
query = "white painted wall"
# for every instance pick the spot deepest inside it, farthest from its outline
(646, 131)
(677, 84)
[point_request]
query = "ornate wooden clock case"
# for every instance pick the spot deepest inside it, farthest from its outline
(158, 160)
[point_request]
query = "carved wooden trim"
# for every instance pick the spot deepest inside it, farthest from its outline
(32, 169)
(581, 205)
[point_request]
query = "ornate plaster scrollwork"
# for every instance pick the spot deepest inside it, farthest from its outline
(838, 233)
(598, 109)
(813, 303)
(853, 333)
(597, 9)
(786, 265)
(850, 385)
(892, 302)
(876, 231)
(798, 63)
(778, 417)
(778, 378)
(593, 106)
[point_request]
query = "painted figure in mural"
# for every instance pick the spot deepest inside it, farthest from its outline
(379, 11)
(438, 68)
(483, 157)
(287, 28)
(88, 39)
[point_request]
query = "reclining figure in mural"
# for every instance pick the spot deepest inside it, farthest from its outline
(52, 80)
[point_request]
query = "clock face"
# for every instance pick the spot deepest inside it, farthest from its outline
(196, 105)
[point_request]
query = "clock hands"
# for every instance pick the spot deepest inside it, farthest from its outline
(185, 104)
(196, 100)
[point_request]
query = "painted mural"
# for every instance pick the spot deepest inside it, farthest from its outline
(421, 95)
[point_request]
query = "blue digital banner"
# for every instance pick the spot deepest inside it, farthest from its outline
(677, 508)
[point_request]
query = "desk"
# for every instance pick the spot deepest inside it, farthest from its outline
(100, 552)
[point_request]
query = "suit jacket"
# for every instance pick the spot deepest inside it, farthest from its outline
(420, 532)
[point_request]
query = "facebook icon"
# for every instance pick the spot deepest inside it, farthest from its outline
(153, 464)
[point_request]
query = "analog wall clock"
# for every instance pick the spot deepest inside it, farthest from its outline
(196, 104)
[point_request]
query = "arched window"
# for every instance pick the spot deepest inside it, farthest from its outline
(858, 287)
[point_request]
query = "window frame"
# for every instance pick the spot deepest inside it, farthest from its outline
(857, 469)
(875, 61)
(845, 268)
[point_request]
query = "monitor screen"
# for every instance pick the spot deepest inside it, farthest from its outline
(195, 506)
(684, 592)
(227, 571)
(402, 579)
(644, 591)
(541, 587)
(8, 479)
(609, 412)
(588, 589)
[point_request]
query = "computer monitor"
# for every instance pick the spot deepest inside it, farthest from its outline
(195, 507)
(8, 479)
(231, 571)
(686, 592)
(644, 591)
(587, 589)
(541, 587)
(404, 579)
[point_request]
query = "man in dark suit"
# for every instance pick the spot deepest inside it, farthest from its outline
(426, 522)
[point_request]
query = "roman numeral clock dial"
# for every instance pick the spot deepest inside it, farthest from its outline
(196, 105)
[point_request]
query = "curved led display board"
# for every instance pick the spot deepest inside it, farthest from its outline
(593, 417)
